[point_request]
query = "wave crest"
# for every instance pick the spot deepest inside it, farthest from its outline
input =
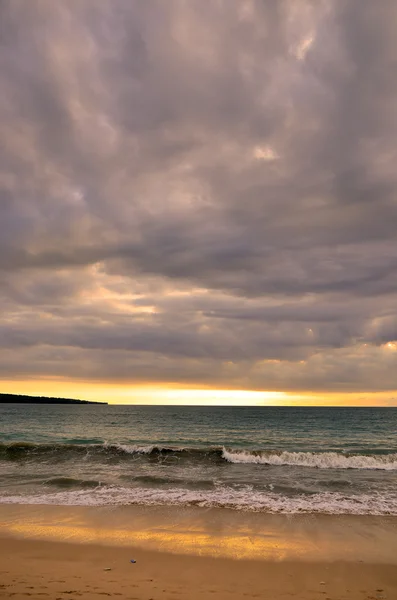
(319, 460)
(246, 499)
(105, 451)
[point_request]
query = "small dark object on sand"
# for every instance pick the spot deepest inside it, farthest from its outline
(132, 560)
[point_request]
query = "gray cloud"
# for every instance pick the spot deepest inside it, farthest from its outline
(202, 196)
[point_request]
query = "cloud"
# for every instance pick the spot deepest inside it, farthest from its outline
(203, 196)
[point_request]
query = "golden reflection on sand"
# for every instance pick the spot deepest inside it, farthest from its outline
(214, 532)
(192, 541)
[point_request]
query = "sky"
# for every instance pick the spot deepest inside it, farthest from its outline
(198, 198)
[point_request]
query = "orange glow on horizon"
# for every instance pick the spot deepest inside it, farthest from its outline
(174, 394)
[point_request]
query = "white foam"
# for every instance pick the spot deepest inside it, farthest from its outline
(245, 499)
(130, 448)
(321, 460)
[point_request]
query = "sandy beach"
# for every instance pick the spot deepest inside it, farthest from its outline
(75, 555)
(57, 570)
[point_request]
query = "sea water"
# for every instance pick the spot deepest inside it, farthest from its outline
(269, 459)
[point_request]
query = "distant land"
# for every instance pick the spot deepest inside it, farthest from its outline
(22, 399)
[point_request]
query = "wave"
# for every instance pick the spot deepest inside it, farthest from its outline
(70, 482)
(157, 481)
(246, 499)
(32, 450)
(133, 449)
(20, 450)
(320, 460)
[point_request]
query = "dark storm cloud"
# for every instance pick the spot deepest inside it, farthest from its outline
(199, 192)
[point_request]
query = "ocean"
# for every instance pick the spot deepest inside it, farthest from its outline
(267, 459)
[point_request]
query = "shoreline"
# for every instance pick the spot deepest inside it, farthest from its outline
(66, 552)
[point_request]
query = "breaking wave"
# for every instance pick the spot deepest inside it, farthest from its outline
(246, 499)
(320, 460)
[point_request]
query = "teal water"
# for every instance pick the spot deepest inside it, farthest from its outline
(272, 459)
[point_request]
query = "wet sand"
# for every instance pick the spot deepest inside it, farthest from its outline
(49, 552)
